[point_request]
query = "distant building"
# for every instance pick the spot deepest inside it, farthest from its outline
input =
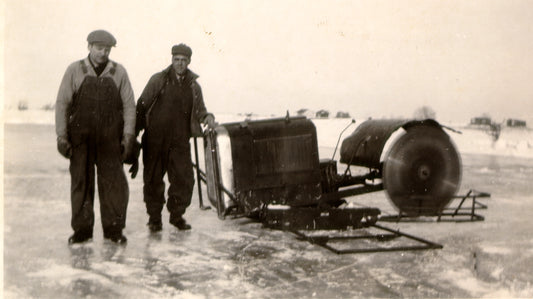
(22, 105)
(483, 120)
(342, 114)
(322, 114)
(515, 123)
(305, 112)
(486, 124)
(249, 116)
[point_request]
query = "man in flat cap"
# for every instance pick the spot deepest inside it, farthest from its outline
(170, 111)
(95, 126)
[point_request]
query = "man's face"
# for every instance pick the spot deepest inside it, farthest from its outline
(180, 63)
(99, 53)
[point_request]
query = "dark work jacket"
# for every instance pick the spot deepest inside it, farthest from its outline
(170, 115)
(153, 90)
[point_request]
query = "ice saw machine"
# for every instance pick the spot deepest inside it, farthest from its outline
(270, 170)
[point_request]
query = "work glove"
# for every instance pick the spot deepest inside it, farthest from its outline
(134, 169)
(133, 157)
(209, 120)
(126, 146)
(64, 147)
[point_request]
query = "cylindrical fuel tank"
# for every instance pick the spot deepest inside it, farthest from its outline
(420, 166)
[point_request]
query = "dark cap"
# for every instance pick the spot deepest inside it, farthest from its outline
(103, 37)
(182, 49)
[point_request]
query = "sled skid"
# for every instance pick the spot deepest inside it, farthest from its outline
(458, 213)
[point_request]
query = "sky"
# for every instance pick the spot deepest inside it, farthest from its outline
(369, 58)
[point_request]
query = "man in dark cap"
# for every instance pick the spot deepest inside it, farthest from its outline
(95, 126)
(170, 111)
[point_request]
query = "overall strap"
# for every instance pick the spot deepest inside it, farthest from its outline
(83, 67)
(113, 68)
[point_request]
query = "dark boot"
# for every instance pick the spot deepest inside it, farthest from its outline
(80, 236)
(180, 223)
(155, 225)
(119, 239)
(115, 236)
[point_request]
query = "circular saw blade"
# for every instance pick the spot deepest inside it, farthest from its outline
(422, 171)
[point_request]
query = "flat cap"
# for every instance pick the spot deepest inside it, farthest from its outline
(182, 49)
(103, 37)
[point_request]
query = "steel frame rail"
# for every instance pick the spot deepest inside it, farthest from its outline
(392, 234)
(449, 214)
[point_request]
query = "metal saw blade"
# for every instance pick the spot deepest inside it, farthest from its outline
(422, 171)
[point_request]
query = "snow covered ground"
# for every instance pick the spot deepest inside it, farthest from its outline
(237, 258)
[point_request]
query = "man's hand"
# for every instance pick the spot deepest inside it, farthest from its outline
(209, 120)
(131, 150)
(126, 146)
(134, 169)
(64, 147)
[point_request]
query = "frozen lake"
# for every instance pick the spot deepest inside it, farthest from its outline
(240, 259)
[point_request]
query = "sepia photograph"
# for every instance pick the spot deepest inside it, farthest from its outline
(266, 149)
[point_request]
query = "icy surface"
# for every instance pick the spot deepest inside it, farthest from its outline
(237, 258)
